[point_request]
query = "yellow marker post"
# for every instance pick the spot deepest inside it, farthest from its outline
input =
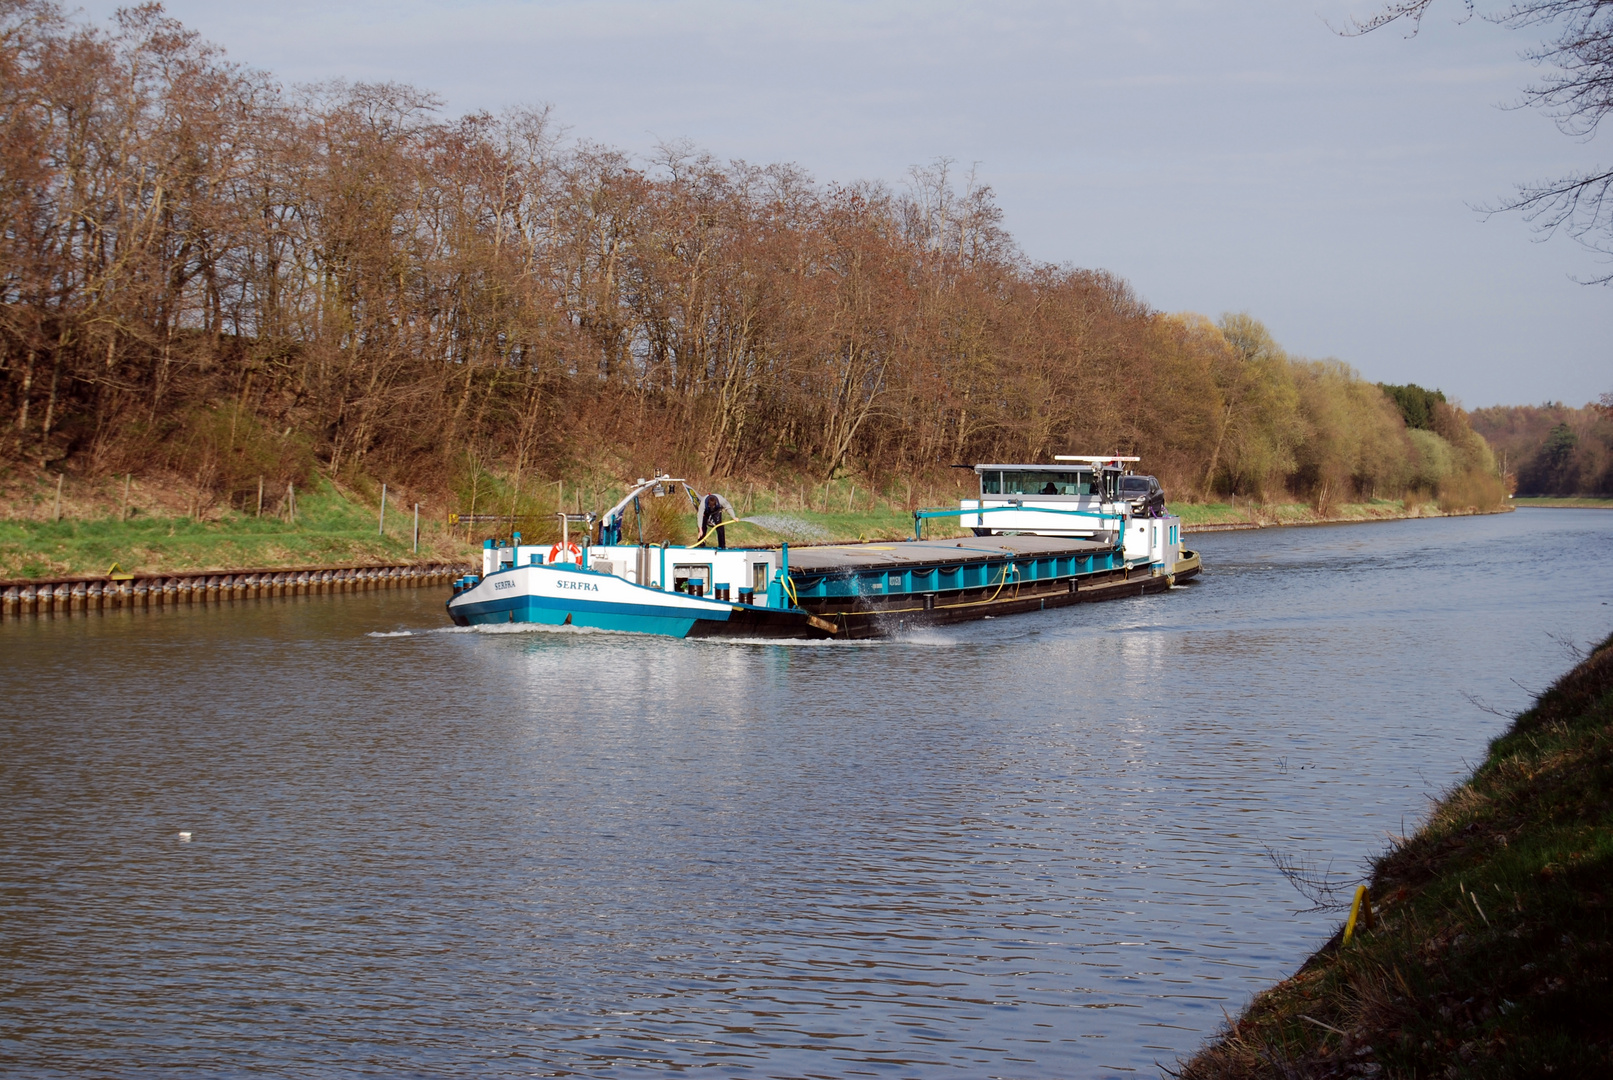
(118, 573)
(1361, 906)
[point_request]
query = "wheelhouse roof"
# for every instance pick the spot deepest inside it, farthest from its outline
(1074, 465)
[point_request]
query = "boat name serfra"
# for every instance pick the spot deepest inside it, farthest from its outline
(590, 586)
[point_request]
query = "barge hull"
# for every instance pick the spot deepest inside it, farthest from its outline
(905, 613)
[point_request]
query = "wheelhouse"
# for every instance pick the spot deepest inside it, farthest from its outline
(1047, 481)
(1074, 496)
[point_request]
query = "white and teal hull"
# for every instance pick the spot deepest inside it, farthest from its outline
(565, 594)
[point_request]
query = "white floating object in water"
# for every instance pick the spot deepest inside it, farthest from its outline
(184, 838)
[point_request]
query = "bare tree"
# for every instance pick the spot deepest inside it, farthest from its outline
(1576, 91)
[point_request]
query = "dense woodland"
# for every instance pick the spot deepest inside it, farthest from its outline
(1553, 449)
(207, 276)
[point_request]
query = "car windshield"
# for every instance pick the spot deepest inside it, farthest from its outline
(1134, 483)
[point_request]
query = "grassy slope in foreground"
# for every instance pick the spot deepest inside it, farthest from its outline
(1492, 955)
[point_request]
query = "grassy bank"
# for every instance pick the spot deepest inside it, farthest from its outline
(160, 527)
(153, 526)
(330, 526)
(1293, 513)
(1492, 955)
(1544, 500)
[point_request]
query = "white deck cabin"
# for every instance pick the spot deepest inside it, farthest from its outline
(715, 573)
(1076, 497)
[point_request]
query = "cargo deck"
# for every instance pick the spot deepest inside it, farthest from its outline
(871, 590)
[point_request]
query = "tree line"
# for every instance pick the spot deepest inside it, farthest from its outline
(208, 275)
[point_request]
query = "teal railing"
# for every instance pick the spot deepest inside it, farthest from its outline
(921, 516)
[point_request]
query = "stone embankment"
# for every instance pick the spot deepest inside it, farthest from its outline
(67, 596)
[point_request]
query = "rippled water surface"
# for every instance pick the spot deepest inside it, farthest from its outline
(1028, 847)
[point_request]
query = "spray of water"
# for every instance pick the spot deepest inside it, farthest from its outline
(790, 527)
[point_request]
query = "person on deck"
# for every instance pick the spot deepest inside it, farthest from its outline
(713, 509)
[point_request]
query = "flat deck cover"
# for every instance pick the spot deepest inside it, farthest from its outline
(849, 558)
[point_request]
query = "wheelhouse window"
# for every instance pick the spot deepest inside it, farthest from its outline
(1035, 482)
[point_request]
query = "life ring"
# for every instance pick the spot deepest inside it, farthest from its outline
(571, 548)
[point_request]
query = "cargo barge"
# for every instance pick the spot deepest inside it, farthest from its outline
(1043, 537)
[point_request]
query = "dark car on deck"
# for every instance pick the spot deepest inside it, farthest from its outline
(1146, 497)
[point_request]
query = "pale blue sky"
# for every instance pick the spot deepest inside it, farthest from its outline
(1219, 155)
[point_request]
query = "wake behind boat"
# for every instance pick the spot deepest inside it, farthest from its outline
(1044, 536)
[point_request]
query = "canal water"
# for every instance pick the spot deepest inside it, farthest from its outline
(1036, 846)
